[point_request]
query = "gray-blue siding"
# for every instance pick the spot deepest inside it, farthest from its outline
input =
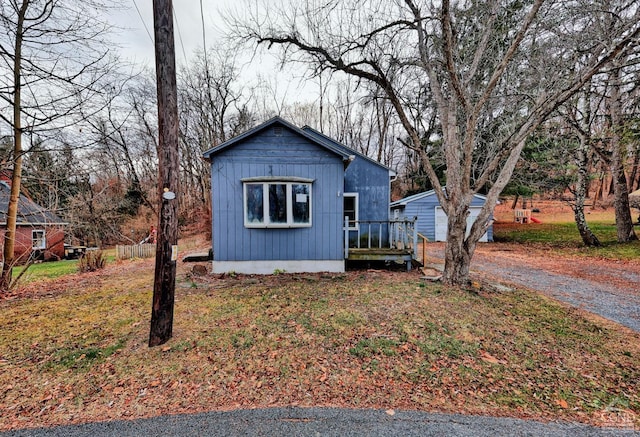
(286, 155)
(371, 181)
(425, 210)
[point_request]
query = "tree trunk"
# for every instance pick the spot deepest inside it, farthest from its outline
(515, 201)
(624, 222)
(458, 250)
(16, 177)
(634, 181)
(588, 237)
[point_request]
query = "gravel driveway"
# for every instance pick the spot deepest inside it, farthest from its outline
(608, 288)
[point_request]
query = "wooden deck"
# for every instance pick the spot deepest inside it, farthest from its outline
(392, 241)
(385, 254)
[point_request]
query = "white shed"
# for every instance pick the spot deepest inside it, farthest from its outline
(432, 220)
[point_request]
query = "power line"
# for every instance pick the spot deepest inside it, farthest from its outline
(204, 36)
(184, 53)
(143, 22)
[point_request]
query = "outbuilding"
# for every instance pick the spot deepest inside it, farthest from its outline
(431, 218)
(39, 232)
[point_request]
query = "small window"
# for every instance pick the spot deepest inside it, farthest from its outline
(38, 239)
(273, 204)
(351, 209)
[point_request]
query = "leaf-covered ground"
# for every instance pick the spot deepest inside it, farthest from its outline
(74, 349)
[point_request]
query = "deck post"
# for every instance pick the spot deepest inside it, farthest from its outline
(346, 237)
(415, 238)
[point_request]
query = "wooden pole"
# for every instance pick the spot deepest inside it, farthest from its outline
(167, 245)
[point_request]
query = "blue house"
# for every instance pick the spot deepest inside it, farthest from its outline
(291, 199)
(431, 218)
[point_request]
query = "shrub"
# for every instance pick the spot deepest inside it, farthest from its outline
(92, 261)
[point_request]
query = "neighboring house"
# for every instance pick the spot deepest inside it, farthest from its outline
(39, 232)
(280, 195)
(431, 218)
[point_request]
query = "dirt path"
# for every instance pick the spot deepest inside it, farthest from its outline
(607, 288)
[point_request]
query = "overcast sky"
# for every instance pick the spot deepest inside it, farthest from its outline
(136, 42)
(137, 23)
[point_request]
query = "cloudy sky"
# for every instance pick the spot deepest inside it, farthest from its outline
(136, 21)
(136, 44)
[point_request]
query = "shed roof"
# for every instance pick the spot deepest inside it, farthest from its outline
(29, 212)
(419, 196)
(269, 123)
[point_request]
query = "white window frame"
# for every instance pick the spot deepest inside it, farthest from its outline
(356, 201)
(265, 182)
(43, 240)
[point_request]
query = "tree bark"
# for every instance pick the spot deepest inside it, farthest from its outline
(624, 222)
(458, 251)
(16, 177)
(582, 158)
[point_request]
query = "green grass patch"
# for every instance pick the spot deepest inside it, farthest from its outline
(368, 347)
(47, 270)
(81, 358)
(565, 238)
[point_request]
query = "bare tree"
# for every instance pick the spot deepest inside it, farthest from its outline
(54, 58)
(495, 71)
(213, 108)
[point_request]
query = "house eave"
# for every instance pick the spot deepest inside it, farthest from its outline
(273, 121)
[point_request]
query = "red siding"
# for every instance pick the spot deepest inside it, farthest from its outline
(24, 242)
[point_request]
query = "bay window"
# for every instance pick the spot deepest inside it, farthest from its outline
(277, 203)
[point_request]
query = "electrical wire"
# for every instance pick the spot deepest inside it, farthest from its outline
(143, 22)
(184, 53)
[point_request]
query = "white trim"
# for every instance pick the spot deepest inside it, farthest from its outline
(357, 207)
(265, 204)
(43, 239)
(277, 179)
(269, 267)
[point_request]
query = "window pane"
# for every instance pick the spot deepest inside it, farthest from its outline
(301, 203)
(255, 208)
(350, 207)
(38, 239)
(278, 203)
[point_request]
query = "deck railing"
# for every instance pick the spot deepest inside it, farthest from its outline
(399, 234)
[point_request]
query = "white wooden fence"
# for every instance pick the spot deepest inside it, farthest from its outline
(136, 251)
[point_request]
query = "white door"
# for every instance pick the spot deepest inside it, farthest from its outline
(441, 223)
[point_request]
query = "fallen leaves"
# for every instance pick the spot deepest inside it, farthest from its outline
(488, 358)
(280, 341)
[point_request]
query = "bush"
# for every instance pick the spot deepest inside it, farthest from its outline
(92, 261)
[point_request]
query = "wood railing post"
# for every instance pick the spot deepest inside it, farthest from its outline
(346, 237)
(415, 237)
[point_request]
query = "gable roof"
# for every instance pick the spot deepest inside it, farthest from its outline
(346, 149)
(272, 122)
(419, 196)
(29, 212)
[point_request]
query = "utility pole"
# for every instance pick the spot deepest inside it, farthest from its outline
(164, 284)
